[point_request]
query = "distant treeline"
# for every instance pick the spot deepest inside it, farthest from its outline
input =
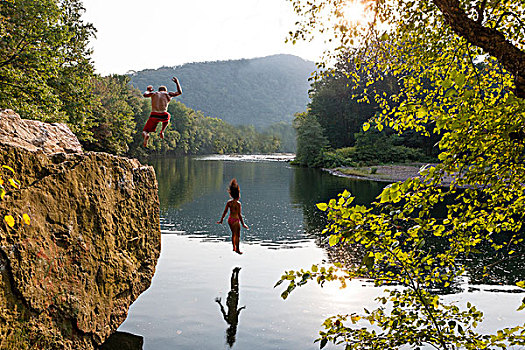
(259, 92)
(330, 134)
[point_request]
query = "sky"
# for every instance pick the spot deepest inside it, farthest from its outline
(138, 34)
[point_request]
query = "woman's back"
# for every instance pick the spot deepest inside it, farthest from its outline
(235, 208)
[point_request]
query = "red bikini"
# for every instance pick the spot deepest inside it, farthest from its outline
(232, 221)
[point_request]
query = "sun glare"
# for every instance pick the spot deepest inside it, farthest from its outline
(355, 12)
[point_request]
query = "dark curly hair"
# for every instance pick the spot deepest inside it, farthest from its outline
(234, 189)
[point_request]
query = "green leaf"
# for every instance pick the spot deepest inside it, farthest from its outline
(442, 156)
(322, 206)
(421, 112)
(368, 261)
(8, 168)
(334, 239)
(385, 195)
(323, 343)
(460, 80)
(447, 83)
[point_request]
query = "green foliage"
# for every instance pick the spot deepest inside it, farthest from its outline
(396, 250)
(191, 132)
(45, 68)
(310, 141)
(285, 133)
(120, 113)
(375, 147)
(341, 105)
(259, 92)
(114, 117)
(336, 103)
(478, 112)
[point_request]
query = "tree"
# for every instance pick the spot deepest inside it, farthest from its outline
(45, 67)
(432, 49)
(114, 117)
(336, 105)
(285, 133)
(310, 140)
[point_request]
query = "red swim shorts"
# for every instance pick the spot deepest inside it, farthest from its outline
(154, 119)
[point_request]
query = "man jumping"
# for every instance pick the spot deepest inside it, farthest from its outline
(159, 109)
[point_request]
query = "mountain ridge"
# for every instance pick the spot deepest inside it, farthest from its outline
(258, 91)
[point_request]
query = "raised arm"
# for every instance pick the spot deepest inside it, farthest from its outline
(218, 300)
(149, 91)
(224, 213)
(179, 89)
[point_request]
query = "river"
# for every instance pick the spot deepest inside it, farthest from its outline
(204, 296)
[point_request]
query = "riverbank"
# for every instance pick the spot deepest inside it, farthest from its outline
(384, 173)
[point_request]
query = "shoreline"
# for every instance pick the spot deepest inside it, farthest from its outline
(382, 173)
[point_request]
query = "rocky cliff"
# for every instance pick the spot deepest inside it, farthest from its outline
(68, 278)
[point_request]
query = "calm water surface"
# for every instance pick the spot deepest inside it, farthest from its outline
(204, 296)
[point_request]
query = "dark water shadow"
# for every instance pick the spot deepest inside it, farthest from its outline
(123, 341)
(232, 301)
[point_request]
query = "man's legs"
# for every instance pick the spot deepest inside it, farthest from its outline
(146, 138)
(164, 126)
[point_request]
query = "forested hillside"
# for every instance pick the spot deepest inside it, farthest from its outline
(259, 92)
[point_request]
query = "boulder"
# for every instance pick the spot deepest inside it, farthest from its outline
(68, 278)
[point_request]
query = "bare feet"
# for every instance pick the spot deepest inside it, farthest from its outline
(161, 135)
(146, 138)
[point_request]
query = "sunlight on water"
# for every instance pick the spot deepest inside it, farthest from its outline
(179, 310)
(199, 299)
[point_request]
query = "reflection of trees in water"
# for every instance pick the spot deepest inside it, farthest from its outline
(182, 179)
(312, 186)
(346, 255)
(232, 315)
(501, 268)
(488, 266)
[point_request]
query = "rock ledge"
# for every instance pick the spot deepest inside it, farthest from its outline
(67, 279)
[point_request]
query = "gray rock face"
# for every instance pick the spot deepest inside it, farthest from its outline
(68, 279)
(33, 135)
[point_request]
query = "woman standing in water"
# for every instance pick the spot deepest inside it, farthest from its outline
(235, 219)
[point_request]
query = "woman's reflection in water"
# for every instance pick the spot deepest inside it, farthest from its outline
(232, 316)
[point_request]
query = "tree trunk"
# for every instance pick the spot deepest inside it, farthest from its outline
(490, 40)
